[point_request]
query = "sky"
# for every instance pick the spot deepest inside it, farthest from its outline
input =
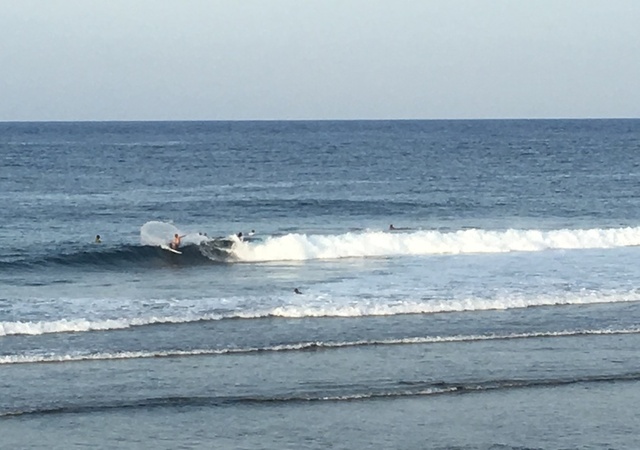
(68, 60)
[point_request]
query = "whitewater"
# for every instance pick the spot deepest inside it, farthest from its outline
(317, 307)
(372, 243)
(296, 247)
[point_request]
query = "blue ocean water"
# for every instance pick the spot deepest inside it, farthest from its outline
(501, 312)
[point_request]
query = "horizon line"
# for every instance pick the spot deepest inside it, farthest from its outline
(315, 120)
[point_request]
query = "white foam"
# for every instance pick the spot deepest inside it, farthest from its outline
(322, 307)
(82, 325)
(300, 247)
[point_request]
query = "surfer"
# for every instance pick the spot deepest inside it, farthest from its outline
(239, 236)
(175, 244)
(297, 291)
(98, 240)
(391, 227)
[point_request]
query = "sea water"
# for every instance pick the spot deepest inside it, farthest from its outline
(501, 312)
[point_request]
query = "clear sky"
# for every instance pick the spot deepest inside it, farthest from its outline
(311, 59)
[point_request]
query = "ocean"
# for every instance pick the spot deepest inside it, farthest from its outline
(462, 285)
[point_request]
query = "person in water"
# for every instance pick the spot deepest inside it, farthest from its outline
(98, 240)
(297, 291)
(391, 227)
(175, 244)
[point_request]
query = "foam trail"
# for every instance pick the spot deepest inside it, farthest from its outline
(53, 358)
(300, 247)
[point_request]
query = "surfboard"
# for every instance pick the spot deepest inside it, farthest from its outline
(166, 247)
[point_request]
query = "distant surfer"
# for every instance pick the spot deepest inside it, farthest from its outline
(239, 235)
(297, 291)
(177, 239)
(98, 240)
(391, 227)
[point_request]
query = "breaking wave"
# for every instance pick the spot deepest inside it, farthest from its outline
(300, 247)
(199, 249)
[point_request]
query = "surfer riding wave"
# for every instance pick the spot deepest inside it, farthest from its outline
(175, 244)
